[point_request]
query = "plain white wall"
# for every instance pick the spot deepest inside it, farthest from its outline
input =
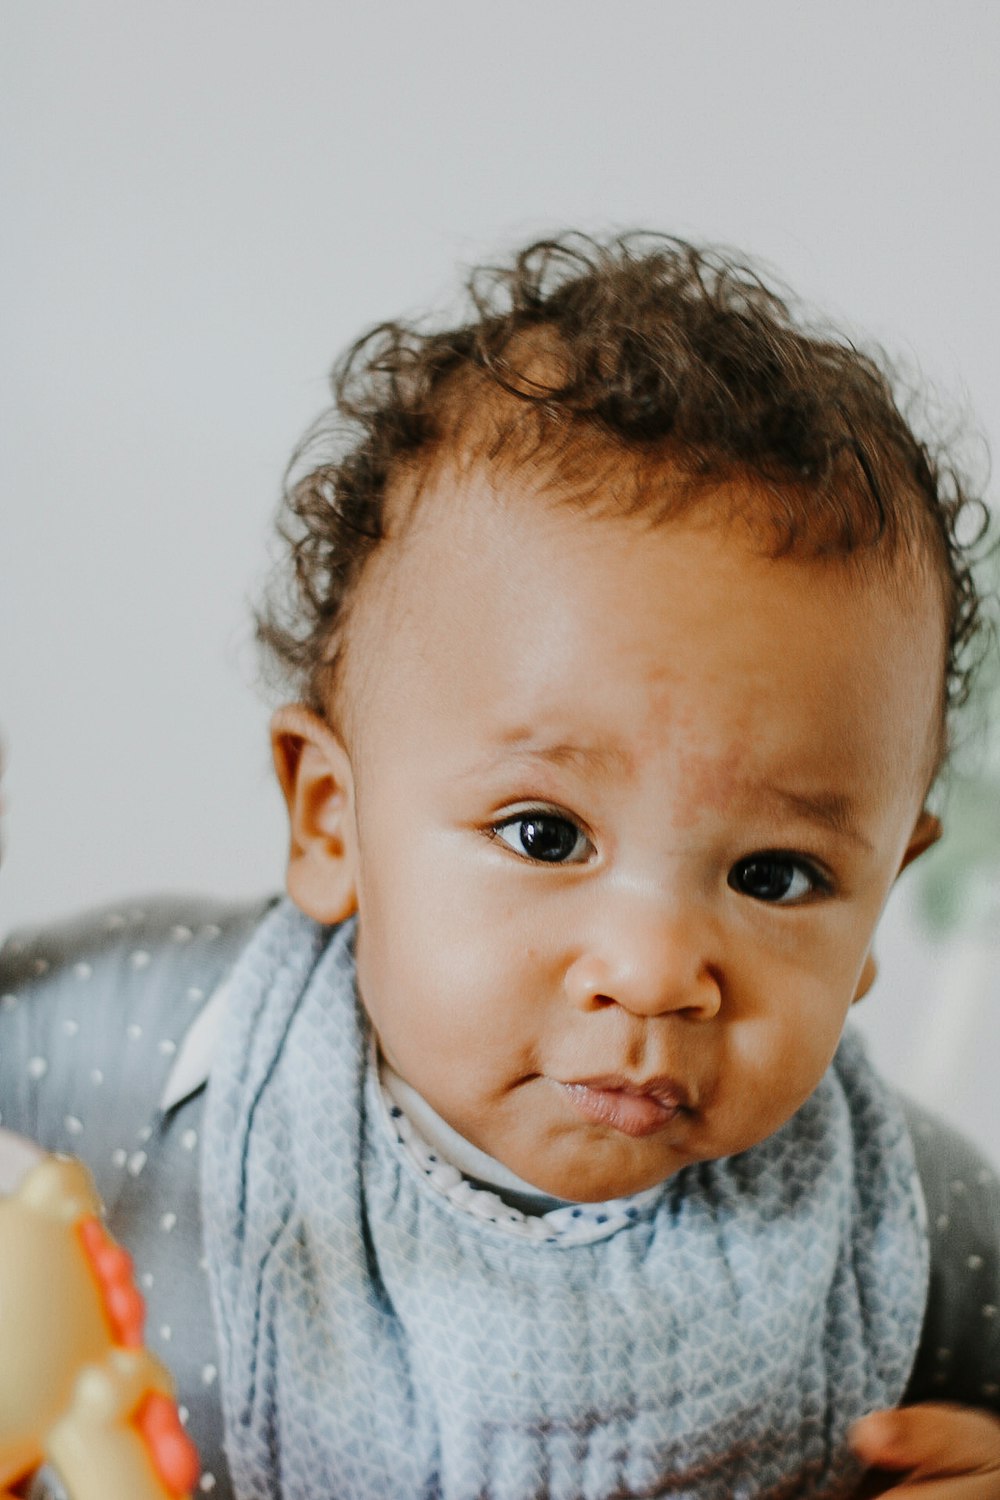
(203, 203)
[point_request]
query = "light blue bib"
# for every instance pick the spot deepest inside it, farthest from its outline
(715, 1339)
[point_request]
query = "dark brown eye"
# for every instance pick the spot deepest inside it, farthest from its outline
(545, 837)
(777, 878)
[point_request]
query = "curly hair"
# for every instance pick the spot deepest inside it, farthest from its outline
(654, 351)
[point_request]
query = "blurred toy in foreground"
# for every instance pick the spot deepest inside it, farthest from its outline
(77, 1388)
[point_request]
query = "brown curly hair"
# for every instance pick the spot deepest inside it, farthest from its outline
(654, 351)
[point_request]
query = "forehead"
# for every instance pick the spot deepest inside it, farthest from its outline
(505, 615)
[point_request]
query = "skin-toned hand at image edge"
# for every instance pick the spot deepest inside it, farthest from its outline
(642, 792)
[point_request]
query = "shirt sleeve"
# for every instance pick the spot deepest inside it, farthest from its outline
(92, 1012)
(959, 1354)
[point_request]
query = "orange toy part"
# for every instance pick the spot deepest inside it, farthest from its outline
(77, 1387)
(173, 1452)
(112, 1268)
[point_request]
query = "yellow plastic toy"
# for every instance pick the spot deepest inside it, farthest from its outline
(77, 1388)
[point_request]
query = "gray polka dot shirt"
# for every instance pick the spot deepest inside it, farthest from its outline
(105, 1035)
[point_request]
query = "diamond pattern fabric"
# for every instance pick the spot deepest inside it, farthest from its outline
(380, 1340)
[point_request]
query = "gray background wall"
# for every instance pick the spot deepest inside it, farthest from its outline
(203, 203)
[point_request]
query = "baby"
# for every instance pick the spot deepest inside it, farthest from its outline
(627, 624)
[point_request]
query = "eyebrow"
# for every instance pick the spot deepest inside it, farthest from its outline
(831, 809)
(603, 758)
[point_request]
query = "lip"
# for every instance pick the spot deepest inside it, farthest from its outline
(636, 1108)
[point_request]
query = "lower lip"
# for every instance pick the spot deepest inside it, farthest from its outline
(632, 1114)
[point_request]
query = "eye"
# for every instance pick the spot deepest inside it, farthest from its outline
(544, 836)
(781, 879)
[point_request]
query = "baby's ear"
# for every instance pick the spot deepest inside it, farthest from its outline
(314, 771)
(926, 831)
(867, 977)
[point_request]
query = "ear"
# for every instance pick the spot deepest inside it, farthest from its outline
(926, 831)
(314, 771)
(867, 977)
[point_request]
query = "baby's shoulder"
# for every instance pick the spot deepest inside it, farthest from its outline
(93, 1010)
(169, 922)
(959, 1356)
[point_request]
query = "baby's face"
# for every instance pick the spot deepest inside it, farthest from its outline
(620, 809)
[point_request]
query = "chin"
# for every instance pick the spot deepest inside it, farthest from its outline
(587, 1185)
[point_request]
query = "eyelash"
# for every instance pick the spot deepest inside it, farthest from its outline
(536, 815)
(819, 883)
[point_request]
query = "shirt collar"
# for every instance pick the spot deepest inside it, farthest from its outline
(193, 1062)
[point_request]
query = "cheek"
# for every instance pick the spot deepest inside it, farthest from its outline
(434, 903)
(783, 1038)
(441, 972)
(769, 1078)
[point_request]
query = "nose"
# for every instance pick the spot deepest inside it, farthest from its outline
(649, 960)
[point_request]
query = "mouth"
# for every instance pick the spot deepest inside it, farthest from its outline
(634, 1108)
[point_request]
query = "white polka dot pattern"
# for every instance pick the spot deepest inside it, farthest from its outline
(91, 1017)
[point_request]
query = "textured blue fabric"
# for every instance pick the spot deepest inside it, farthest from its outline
(378, 1341)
